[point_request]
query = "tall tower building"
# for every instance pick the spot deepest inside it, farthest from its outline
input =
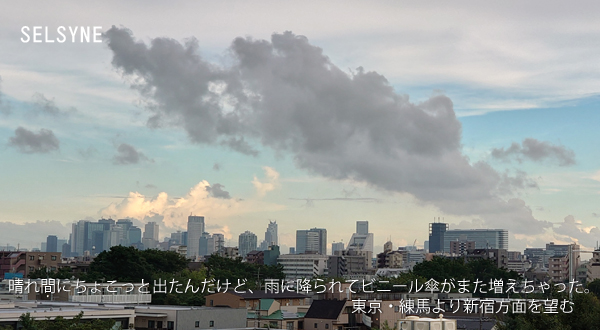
(361, 243)
(311, 241)
(362, 227)
(150, 230)
(247, 242)
(219, 243)
(339, 246)
(436, 236)
(195, 229)
(271, 234)
(52, 244)
(78, 237)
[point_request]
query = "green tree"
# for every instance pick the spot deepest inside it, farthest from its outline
(60, 323)
(594, 287)
(180, 281)
(120, 263)
(221, 269)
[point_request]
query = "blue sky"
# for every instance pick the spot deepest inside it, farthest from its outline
(512, 72)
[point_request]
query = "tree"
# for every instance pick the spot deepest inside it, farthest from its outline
(60, 323)
(120, 263)
(221, 269)
(194, 278)
(594, 287)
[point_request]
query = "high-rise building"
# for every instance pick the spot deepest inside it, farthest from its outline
(436, 236)
(483, 238)
(361, 243)
(362, 227)
(271, 234)
(195, 229)
(339, 246)
(52, 244)
(219, 243)
(151, 231)
(247, 242)
(311, 241)
(78, 237)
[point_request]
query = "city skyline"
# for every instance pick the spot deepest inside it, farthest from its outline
(311, 115)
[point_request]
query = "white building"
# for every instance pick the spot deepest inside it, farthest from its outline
(301, 266)
(195, 229)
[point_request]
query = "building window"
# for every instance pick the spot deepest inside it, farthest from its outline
(316, 326)
(31, 257)
(211, 323)
(326, 325)
(53, 258)
(159, 324)
(170, 325)
(31, 268)
(197, 324)
(289, 326)
(150, 324)
(300, 325)
(211, 302)
(41, 257)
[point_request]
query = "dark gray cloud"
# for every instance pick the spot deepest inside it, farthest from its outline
(285, 94)
(150, 186)
(127, 154)
(537, 151)
(217, 191)
(30, 142)
(5, 108)
(45, 106)
(217, 166)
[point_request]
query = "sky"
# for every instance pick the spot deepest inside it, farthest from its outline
(306, 113)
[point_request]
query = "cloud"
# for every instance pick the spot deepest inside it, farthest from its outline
(5, 108)
(150, 186)
(537, 151)
(127, 154)
(285, 94)
(572, 229)
(29, 142)
(217, 167)
(30, 234)
(172, 212)
(270, 183)
(45, 106)
(216, 190)
(88, 153)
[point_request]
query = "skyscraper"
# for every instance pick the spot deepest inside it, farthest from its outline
(311, 241)
(78, 237)
(219, 243)
(271, 234)
(195, 229)
(150, 231)
(436, 236)
(339, 246)
(52, 244)
(247, 242)
(362, 239)
(362, 227)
